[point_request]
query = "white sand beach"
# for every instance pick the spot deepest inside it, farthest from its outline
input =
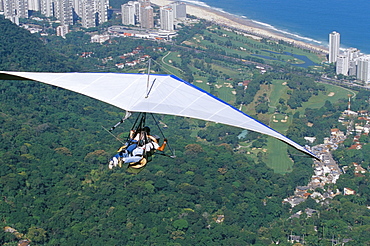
(238, 23)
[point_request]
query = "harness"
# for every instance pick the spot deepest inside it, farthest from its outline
(138, 143)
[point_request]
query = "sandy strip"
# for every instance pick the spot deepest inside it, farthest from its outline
(238, 23)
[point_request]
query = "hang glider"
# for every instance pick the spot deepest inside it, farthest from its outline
(159, 94)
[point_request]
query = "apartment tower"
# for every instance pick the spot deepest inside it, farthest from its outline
(128, 14)
(167, 17)
(334, 43)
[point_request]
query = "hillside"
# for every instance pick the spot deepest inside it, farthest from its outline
(57, 190)
(21, 51)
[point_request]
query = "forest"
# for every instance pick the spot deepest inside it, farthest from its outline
(57, 189)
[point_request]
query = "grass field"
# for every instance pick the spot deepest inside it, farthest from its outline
(276, 155)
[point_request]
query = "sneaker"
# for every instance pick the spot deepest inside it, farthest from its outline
(110, 165)
(115, 161)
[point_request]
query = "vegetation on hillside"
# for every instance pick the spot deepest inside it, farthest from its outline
(57, 190)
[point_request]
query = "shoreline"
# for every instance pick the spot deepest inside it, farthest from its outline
(243, 25)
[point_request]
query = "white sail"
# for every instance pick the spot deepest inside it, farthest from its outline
(160, 94)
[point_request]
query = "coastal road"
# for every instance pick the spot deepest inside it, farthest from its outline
(331, 81)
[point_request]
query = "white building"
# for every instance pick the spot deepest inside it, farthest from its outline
(128, 14)
(179, 10)
(34, 5)
(352, 54)
(46, 7)
(363, 68)
(15, 9)
(87, 15)
(91, 12)
(101, 10)
(63, 11)
(342, 65)
(334, 44)
(167, 18)
(62, 30)
(99, 38)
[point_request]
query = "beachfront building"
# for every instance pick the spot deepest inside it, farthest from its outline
(334, 44)
(363, 68)
(352, 54)
(146, 17)
(179, 10)
(128, 14)
(342, 65)
(167, 18)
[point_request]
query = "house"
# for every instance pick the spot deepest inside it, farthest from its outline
(293, 239)
(334, 131)
(348, 191)
(99, 38)
(24, 242)
(220, 218)
(302, 188)
(358, 168)
(120, 65)
(131, 64)
(356, 146)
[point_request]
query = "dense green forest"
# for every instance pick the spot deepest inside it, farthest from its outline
(57, 190)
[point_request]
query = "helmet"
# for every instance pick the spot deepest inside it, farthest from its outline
(146, 129)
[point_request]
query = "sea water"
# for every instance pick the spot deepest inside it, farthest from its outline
(307, 20)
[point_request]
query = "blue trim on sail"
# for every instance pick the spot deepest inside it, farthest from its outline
(220, 100)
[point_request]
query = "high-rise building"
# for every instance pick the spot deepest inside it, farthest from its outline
(1, 5)
(363, 68)
(15, 9)
(144, 3)
(147, 19)
(334, 44)
(128, 14)
(46, 8)
(342, 65)
(87, 14)
(101, 10)
(352, 54)
(166, 17)
(34, 5)
(92, 12)
(63, 12)
(137, 11)
(179, 10)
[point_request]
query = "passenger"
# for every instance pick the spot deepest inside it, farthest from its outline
(140, 146)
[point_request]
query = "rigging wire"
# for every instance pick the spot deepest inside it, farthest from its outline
(157, 124)
(110, 132)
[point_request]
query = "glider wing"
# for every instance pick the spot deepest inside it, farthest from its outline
(160, 94)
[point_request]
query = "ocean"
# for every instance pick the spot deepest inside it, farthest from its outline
(307, 20)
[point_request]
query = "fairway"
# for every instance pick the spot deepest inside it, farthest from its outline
(277, 156)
